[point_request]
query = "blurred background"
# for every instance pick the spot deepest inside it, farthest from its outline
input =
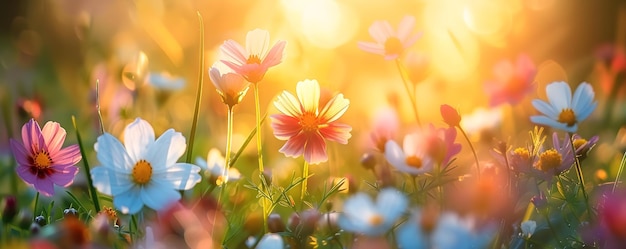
(145, 56)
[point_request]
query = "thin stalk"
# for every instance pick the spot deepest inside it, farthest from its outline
(229, 138)
(305, 174)
(196, 111)
(581, 179)
(508, 172)
(92, 189)
(98, 106)
(258, 127)
(409, 92)
(36, 202)
(619, 172)
(471, 147)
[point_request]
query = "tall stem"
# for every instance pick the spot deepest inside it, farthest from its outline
(619, 172)
(258, 127)
(579, 171)
(305, 174)
(411, 93)
(36, 202)
(471, 147)
(229, 138)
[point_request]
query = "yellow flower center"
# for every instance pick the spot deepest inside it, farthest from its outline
(414, 162)
(376, 220)
(253, 59)
(309, 122)
(567, 116)
(522, 153)
(579, 143)
(42, 160)
(142, 172)
(549, 159)
(393, 45)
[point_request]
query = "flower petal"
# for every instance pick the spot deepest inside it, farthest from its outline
(32, 137)
(258, 42)
(337, 132)
(285, 126)
(67, 156)
(294, 147)
(157, 196)
(137, 136)
(112, 154)
(166, 150)
(19, 152)
(234, 53)
(309, 95)
(380, 31)
(392, 203)
(26, 175)
(394, 154)
(110, 182)
(543, 120)
(180, 176)
(582, 102)
(44, 186)
(129, 202)
(315, 149)
(64, 176)
(276, 54)
(334, 109)
(545, 108)
(404, 28)
(288, 104)
(355, 209)
(370, 47)
(54, 136)
(559, 95)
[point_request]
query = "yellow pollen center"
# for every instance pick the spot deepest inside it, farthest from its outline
(142, 172)
(393, 45)
(549, 159)
(579, 142)
(42, 160)
(522, 153)
(253, 59)
(309, 122)
(567, 116)
(376, 220)
(414, 161)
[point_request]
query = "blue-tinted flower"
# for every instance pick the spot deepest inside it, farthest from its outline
(214, 167)
(143, 171)
(564, 112)
(361, 215)
(415, 158)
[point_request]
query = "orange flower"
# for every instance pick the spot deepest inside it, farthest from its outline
(450, 115)
(305, 126)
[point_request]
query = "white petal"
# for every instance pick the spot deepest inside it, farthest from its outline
(215, 159)
(129, 202)
(201, 163)
(410, 235)
(111, 153)
(335, 108)
(412, 144)
(355, 212)
(109, 182)
(258, 43)
(528, 227)
(394, 154)
(157, 196)
(391, 203)
(137, 136)
(559, 95)
(166, 150)
(545, 108)
(309, 95)
(543, 120)
(287, 104)
(585, 112)
(582, 102)
(271, 241)
(181, 176)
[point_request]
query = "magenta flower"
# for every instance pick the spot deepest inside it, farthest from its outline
(41, 160)
(253, 61)
(512, 81)
(390, 43)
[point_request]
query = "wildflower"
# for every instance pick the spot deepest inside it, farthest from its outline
(253, 61)
(390, 43)
(41, 160)
(481, 119)
(583, 146)
(440, 144)
(305, 126)
(450, 115)
(547, 163)
(414, 159)
(512, 81)
(361, 215)
(418, 67)
(269, 241)
(230, 86)
(142, 171)
(385, 126)
(214, 167)
(563, 112)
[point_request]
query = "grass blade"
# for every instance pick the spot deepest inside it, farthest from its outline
(196, 111)
(92, 190)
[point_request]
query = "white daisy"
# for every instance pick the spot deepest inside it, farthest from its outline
(563, 112)
(413, 159)
(214, 167)
(361, 215)
(143, 171)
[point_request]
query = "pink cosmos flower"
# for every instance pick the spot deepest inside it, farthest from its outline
(390, 43)
(512, 81)
(305, 126)
(230, 86)
(386, 124)
(253, 61)
(41, 160)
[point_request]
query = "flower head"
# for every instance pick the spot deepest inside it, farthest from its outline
(361, 215)
(512, 81)
(414, 159)
(230, 86)
(305, 126)
(391, 43)
(214, 167)
(41, 160)
(450, 115)
(143, 171)
(385, 127)
(564, 112)
(253, 61)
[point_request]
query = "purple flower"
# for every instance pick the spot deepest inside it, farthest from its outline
(41, 160)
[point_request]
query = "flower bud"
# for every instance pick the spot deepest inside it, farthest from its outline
(450, 115)
(368, 161)
(275, 224)
(40, 220)
(10, 209)
(308, 222)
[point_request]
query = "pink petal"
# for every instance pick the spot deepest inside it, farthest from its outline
(238, 68)
(64, 176)
(405, 27)
(67, 156)
(337, 132)
(285, 126)
(32, 138)
(19, 152)
(315, 149)
(380, 32)
(294, 147)
(26, 175)
(275, 56)
(54, 135)
(411, 40)
(391, 56)
(253, 73)
(373, 48)
(44, 186)
(233, 52)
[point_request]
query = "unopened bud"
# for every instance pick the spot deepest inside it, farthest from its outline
(368, 161)
(275, 224)
(10, 209)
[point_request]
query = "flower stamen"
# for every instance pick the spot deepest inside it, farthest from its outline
(142, 172)
(309, 122)
(549, 160)
(376, 220)
(414, 161)
(568, 117)
(253, 59)
(42, 160)
(393, 45)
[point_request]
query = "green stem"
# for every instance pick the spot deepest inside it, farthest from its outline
(196, 111)
(36, 202)
(92, 189)
(619, 172)
(305, 175)
(581, 179)
(229, 138)
(471, 147)
(258, 127)
(409, 92)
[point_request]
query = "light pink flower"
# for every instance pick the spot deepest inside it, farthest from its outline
(386, 124)
(512, 81)
(253, 61)
(305, 126)
(41, 160)
(390, 43)
(230, 86)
